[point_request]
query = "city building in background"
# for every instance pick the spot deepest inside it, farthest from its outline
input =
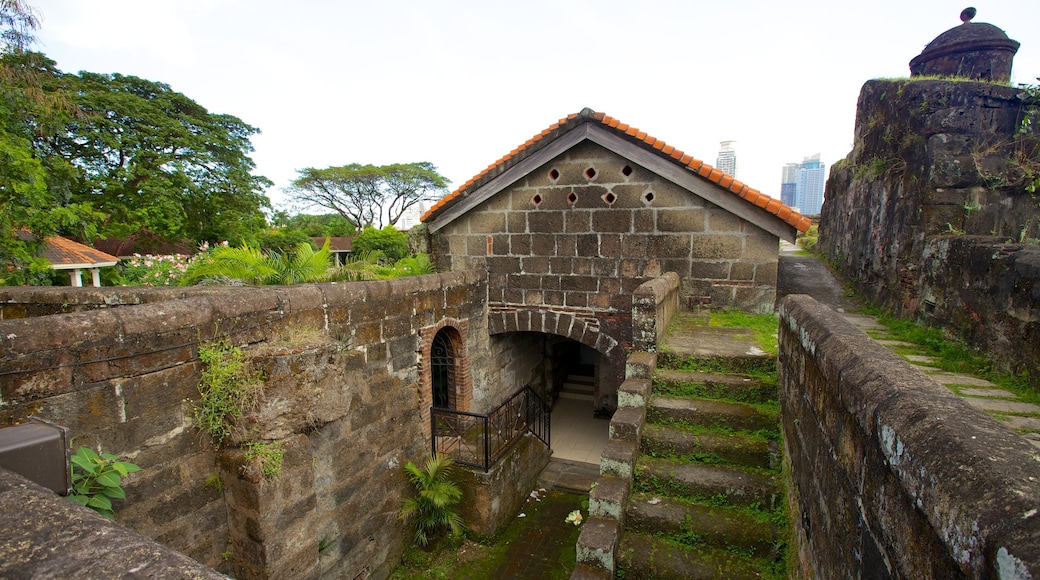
(727, 159)
(802, 185)
(788, 185)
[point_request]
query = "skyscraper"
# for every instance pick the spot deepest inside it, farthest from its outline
(727, 159)
(802, 185)
(789, 184)
(812, 177)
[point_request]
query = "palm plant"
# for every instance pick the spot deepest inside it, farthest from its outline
(413, 266)
(433, 507)
(254, 267)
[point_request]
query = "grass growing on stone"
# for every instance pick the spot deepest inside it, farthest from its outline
(763, 327)
(951, 355)
(541, 540)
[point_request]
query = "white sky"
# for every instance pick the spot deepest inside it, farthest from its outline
(460, 83)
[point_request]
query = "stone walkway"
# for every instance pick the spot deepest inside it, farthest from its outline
(807, 275)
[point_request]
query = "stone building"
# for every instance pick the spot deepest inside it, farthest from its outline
(974, 50)
(571, 222)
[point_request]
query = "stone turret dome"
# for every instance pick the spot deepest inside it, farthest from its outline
(973, 50)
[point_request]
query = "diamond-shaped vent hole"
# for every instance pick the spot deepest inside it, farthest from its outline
(610, 198)
(648, 196)
(553, 174)
(572, 198)
(590, 173)
(537, 199)
(626, 171)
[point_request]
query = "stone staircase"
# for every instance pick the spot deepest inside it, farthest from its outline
(579, 386)
(690, 483)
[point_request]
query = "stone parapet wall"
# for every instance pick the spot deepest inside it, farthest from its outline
(891, 475)
(654, 304)
(341, 397)
(45, 536)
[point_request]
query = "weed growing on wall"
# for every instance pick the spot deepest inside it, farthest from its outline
(228, 384)
(268, 457)
(433, 507)
(97, 479)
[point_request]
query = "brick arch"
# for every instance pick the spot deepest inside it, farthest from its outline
(559, 324)
(463, 379)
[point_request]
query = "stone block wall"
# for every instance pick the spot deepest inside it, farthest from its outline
(653, 305)
(891, 475)
(578, 235)
(342, 398)
(932, 159)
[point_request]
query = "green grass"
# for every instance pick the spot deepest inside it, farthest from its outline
(950, 354)
(763, 326)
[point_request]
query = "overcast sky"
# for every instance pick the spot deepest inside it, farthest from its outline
(461, 83)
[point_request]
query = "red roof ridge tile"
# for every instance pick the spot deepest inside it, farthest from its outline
(773, 206)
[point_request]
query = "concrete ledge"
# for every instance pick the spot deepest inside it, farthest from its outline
(888, 464)
(47, 536)
(618, 458)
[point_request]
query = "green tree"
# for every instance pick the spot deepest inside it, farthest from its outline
(392, 243)
(368, 195)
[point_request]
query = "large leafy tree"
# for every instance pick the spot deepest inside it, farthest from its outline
(150, 157)
(33, 204)
(368, 195)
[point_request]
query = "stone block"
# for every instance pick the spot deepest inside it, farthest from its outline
(681, 220)
(577, 222)
(616, 221)
(761, 247)
(670, 245)
(520, 244)
(722, 221)
(634, 392)
(710, 270)
(716, 247)
(545, 222)
(597, 542)
(607, 499)
(627, 423)
(618, 459)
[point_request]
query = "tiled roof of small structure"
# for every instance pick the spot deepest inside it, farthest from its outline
(64, 253)
(705, 171)
(336, 243)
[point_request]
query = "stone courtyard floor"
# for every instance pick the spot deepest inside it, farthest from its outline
(808, 275)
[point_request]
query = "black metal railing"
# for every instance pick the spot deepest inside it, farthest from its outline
(479, 440)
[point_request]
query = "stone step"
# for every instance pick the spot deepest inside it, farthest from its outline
(710, 413)
(581, 379)
(717, 385)
(700, 481)
(576, 396)
(645, 557)
(711, 526)
(736, 448)
(578, 387)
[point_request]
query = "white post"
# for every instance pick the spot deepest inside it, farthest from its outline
(95, 276)
(75, 279)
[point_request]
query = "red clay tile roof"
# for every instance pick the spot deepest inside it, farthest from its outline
(65, 254)
(738, 188)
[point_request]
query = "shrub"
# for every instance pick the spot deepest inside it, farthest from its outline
(433, 507)
(390, 241)
(96, 480)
